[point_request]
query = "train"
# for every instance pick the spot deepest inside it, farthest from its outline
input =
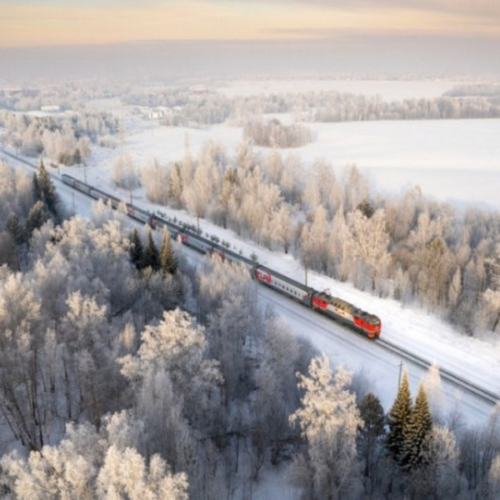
(367, 324)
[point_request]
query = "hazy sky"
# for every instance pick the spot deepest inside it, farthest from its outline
(76, 22)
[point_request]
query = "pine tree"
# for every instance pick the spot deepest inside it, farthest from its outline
(151, 255)
(365, 208)
(37, 217)
(37, 192)
(417, 432)
(398, 420)
(136, 249)
(168, 262)
(77, 157)
(14, 228)
(47, 189)
(372, 414)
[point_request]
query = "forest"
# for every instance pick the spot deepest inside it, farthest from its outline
(405, 247)
(127, 372)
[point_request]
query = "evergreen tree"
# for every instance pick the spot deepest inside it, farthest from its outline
(37, 192)
(398, 420)
(77, 157)
(365, 208)
(151, 255)
(15, 228)
(168, 262)
(417, 432)
(136, 249)
(372, 414)
(47, 189)
(37, 217)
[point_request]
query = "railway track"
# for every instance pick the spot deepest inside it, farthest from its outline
(451, 377)
(405, 355)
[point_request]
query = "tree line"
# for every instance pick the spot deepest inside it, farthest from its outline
(405, 247)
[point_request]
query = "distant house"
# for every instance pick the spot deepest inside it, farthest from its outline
(155, 115)
(51, 109)
(159, 113)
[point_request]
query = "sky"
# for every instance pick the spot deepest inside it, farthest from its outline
(227, 38)
(81, 22)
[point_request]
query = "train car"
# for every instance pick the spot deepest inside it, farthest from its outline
(76, 184)
(282, 284)
(322, 302)
(195, 242)
(140, 215)
(344, 312)
(105, 197)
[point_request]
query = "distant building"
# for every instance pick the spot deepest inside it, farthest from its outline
(155, 115)
(159, 113)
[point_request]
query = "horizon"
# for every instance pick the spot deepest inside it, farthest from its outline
(33, 23)
(374, 56)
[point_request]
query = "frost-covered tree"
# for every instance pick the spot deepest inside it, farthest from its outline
(175, 185)
(168, 262)
(47, 189)
(155, 179)
(370, 243)
(329, 420)
(124, 173)
(433, 390)
(90, 464)
(36, 217)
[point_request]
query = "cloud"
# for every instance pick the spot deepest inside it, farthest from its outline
(477, 8)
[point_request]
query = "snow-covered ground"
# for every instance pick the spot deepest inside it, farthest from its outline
(389, 90)
(451, 160)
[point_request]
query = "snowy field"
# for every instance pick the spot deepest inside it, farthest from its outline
(455, 161)
(451, 160)
(387, 89)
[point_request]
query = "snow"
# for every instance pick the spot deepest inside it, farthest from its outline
(451, 160)
(455, 161)
(389, 90)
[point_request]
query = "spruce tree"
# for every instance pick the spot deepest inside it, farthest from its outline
(136, 249)
(365, 208)
(168, 262)
(15, 228)
(151, 255)
(47, 189)
(37, 217)
(418, 430)
(372, 414)
(398, 420)
(37, 192)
